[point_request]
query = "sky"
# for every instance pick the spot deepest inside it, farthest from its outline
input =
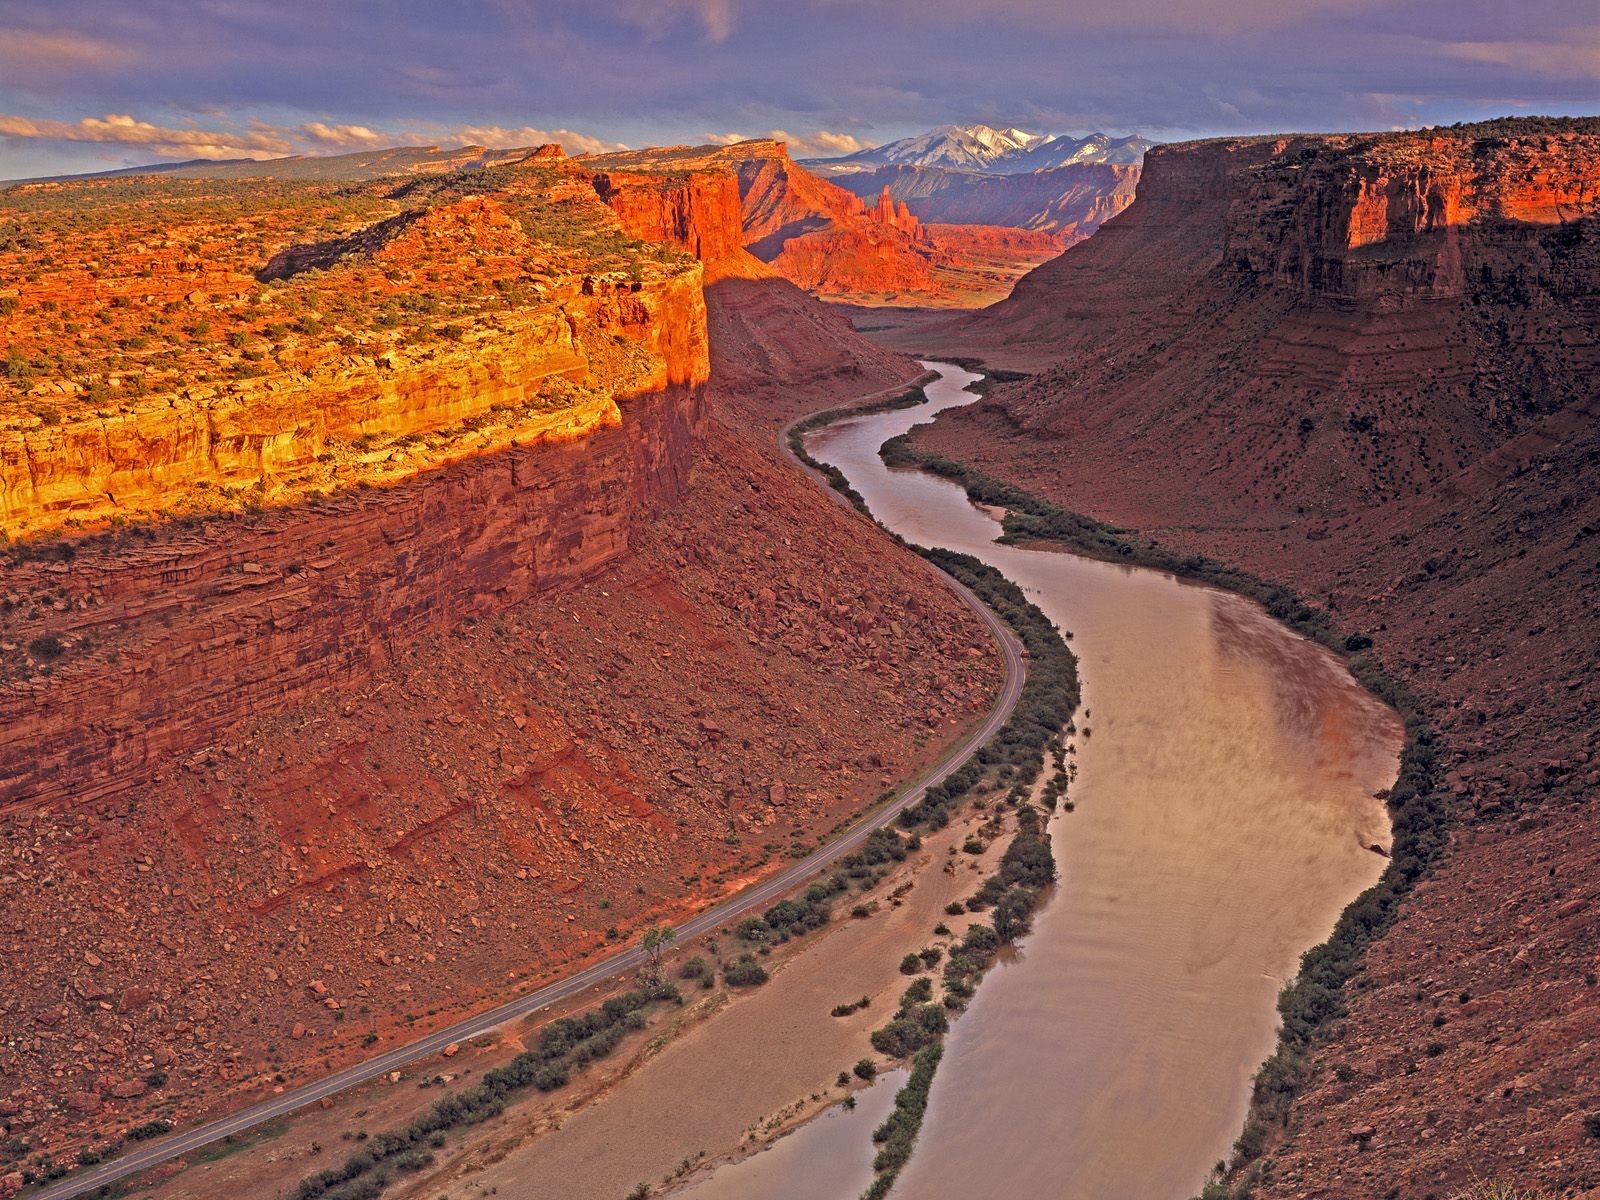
(93, 84)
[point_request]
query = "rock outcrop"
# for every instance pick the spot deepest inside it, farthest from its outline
(138, 681)
(698, 211)
(885, 212)
(144, 456)
(828, 241)
(298, 399)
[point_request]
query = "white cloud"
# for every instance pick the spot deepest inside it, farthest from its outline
(821, 144)
(260, 140)
(257, 142)
(499, 137)
(345, 137)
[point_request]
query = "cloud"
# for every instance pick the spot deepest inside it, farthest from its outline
(497, 137)
(260, 140)
(1055, 17)
(1575, 58)
(821, 144)
(657, 18)
(257, 142)
(344, 137)
(657, 71)
(38, 54)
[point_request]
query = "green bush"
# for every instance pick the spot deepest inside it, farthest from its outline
(744, 972)
(898, 1133)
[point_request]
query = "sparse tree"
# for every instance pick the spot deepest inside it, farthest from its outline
(656, 941)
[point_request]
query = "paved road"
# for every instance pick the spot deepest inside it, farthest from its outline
(599, 976)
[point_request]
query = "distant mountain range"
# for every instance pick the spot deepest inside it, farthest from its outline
(981, 149)
(357, 165)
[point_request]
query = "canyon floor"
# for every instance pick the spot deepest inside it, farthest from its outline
(758, 1062)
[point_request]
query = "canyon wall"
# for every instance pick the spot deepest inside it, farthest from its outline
(1360, 314)
(1395, 223)
(697, 211)
(140, 456)
(282, 785)
(1366, 367)
(170, 643)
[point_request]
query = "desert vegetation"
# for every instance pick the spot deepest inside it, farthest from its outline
(565, 1046)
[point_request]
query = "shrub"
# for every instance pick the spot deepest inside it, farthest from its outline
(910, 964)
(980, 942)
(920, 992)
(898, 1133)
(48, 646)
(561, 1044)
(744, 972)
(1013, 913)
(753, 929)
(911, 1030)
(865, 1069)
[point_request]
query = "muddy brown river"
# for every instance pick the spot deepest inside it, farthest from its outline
(1226, 771)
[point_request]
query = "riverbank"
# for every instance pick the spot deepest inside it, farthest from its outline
(1312, 1001)
(1189, 894)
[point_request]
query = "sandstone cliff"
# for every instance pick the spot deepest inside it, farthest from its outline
(1367, 302)
(698, 211)
(816, 234)
(298, 399)
(295, 775)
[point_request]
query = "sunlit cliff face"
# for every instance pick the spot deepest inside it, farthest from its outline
(190, 345)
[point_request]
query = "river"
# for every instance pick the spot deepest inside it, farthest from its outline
(1224, 813)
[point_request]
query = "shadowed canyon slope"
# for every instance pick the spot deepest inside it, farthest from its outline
(436, 684)
(1366, 366)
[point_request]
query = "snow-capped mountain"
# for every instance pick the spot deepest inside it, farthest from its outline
(991, 151)
(1065, 149)
(962, 147)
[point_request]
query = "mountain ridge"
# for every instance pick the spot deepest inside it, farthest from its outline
(981, 148)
